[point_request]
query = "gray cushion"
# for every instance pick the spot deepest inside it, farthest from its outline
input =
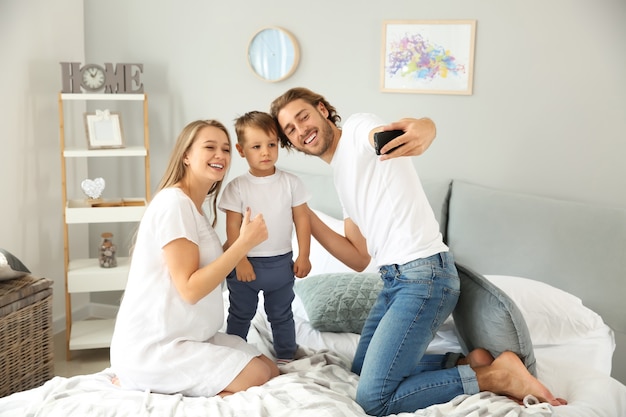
(10, 266)
(485, 317)
(339, 302)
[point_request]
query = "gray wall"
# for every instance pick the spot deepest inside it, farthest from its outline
(547, 115)
(35, 35)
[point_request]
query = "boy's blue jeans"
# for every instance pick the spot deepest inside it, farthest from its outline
(274, 276)
(395, 374)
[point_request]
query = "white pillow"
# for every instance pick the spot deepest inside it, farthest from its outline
(323, 262)
(553, 316)
(561, 328)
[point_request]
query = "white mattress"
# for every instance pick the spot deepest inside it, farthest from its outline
(317, 384)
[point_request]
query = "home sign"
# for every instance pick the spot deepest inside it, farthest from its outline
(113, 79)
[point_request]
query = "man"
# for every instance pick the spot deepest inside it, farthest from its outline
(387, 217)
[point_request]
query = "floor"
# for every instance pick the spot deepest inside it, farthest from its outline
(82, 361)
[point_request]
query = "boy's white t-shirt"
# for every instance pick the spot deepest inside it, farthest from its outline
(385, 199)
(274, 196)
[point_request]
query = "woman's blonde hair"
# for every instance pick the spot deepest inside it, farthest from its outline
(176, 167)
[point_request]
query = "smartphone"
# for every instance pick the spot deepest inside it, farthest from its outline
(383, 138)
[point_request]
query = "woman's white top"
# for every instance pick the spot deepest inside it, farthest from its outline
(162, 343)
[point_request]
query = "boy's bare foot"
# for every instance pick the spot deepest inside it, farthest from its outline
(476, 358)
(507, 375)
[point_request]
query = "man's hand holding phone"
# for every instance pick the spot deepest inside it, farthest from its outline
(418, 136)
(383, 138)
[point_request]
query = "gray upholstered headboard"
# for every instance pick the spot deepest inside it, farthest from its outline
(576, 247)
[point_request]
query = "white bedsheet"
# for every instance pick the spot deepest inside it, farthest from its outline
(317, 384)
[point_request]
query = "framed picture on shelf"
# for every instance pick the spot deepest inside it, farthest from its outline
(104, 130)
(428, 57)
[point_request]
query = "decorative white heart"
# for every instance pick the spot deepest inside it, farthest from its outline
(93, 188)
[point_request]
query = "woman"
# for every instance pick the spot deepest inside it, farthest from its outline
(166, 335)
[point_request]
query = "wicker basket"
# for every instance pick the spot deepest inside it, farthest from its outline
(26, 349)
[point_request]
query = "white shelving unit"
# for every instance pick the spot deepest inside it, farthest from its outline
(85, 275)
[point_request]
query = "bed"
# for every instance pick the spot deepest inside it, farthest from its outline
(530, 250)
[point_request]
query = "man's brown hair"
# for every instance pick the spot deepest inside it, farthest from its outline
(308, 96)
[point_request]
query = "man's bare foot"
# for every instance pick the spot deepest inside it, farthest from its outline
(116, 381)
(476, 358)
(508, 376)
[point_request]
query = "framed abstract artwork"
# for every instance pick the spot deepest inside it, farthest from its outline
(428, 56)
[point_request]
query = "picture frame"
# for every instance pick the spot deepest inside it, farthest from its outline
(104, 130)
(428, 56)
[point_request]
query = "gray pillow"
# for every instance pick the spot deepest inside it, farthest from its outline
(339, 302)
(10, 266)
(485, 317)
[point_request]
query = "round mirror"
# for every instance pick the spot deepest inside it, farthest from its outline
(273, 54)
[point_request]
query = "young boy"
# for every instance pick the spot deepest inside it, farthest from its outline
(269, 267)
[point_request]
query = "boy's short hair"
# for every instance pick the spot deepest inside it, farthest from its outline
(255, 119)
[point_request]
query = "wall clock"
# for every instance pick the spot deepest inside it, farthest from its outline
(273, 54)
(93, 77)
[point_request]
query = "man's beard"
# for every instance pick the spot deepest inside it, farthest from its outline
(325, 140)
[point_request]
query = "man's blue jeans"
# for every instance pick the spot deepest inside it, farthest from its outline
(395, 374)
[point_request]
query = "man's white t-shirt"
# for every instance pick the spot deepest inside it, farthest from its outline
(385, 199)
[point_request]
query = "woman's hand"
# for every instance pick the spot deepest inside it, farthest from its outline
(253, 231)
(183, 256)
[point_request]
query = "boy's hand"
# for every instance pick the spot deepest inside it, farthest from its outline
(301, 267)
(245, 271)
